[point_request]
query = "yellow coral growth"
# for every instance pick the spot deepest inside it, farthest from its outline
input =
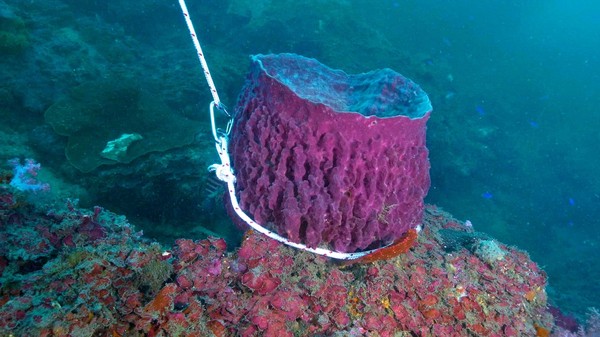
(541, 331)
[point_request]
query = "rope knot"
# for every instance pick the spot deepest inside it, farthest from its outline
(223, 172)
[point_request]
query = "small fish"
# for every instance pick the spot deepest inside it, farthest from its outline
(487, 195)
(571, 201)
(534, 124)
(480, 110)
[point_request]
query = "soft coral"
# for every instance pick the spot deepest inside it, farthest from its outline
(25, 176)
(591, 328)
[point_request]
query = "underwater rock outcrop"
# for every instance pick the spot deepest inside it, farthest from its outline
(99, 112)
(74, 272)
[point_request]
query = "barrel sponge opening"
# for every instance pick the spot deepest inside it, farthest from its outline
(382, 93)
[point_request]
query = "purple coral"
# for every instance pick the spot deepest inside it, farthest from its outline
(591, 328)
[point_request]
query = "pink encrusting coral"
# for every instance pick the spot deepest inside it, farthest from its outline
(325, 158)
(118, 284)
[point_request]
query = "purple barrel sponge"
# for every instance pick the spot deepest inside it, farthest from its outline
(330, 159)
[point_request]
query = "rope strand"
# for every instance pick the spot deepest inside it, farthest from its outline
(209, 80)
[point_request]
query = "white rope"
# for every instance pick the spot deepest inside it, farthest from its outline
(209, 80)
(224, 171)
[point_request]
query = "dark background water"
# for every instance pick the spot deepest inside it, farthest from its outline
(526, 75)
(527, 70)
(514, 84)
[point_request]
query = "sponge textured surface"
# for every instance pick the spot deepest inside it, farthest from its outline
(330, 159)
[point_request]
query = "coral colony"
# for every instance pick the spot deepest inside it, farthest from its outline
(73, 272)
(25, 175)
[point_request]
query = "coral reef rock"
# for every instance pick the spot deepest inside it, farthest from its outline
(73, 272)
